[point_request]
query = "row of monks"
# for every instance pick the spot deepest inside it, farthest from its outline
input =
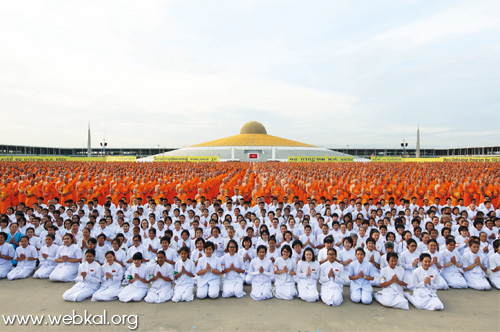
(28, 181)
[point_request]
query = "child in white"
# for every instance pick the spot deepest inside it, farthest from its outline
(233, 269)
(47, 258)
(26, 256)
(162, 275)
(87, 281)
(184, 277)
(424, 291)
(391, 281)
(308, 270)
(332, 283)
(111, 278)
(284, 270)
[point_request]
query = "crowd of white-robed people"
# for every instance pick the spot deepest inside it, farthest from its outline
(161, 252)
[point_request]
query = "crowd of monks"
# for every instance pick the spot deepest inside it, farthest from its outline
(26, 182)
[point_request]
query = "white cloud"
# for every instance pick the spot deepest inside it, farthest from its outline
(180, 73)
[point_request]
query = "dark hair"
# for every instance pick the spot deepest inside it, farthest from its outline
(209, 244)
(286, 247)
(261, 247)
(110, 252)
(186, 249)
(137, 256)
(90, 251)
(297, 242)
(424, 255)
(160, 252)
(391, 254)
(332, 249)
(360, 249)
(348, 239)
(232, 242)
(304, 254)
(372, 240)
(165, 238)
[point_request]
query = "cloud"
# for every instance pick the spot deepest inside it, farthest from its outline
(179, 73)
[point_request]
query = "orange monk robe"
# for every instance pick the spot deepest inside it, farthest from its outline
(22, 189)
(100, 193)
(420, 195)
(457, 192)
(49, 191)
(278, 192)
(473, 188)
(31, 196)
(66, 188)
(6, 194)
(15, 194)
(496, 192)
(398, 192)
(376, 191)
(81, 190)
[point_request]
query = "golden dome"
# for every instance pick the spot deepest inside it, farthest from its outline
(253, 127)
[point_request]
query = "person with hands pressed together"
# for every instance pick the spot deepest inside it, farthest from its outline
(233, 269)
(184, 270)
(391, 281)
(361, 275)
(474, 268)
(112, 273)
(137, 275)
(162, 275)
(284, 270)
(261, 271)
(332, 282)
(452, 259)
(87, 281)
(308, 270)
(208, 271)
(68, 258)
(26, 256)
(424, 291)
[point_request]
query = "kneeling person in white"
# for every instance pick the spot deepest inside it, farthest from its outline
(162, 275)
(208, 271)
(87, 281)
(47, 258)
(474, 269)
(261, 271)
(68, 259)
(361, 275)
(7, 253)
(425, 284)
(332, 283)
(284, 270)
(308, 273)
(25, 257)
(494, 265)
(137, 275)
(391, 281)
(184, 277)
(233, 270)
(111, 279)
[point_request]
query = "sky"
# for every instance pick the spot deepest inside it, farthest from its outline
(177, 73)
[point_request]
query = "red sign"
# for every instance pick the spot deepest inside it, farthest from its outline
(253, 156)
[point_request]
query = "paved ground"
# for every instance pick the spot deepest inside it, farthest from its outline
(465, 310)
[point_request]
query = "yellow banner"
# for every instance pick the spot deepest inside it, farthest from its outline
(386, 159)
(472, 159)
(63, 158)
(173, 159)
(320, 159)
(121, 158)
(423, 160)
